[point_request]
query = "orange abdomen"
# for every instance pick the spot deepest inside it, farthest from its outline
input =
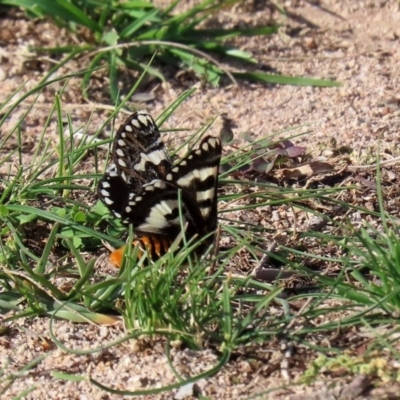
(155, 245)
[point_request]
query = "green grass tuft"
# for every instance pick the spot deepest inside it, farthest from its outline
(118, 35)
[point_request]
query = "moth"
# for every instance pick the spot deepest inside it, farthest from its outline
(144, 188)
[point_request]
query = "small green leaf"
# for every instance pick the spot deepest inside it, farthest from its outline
(77, 242)
(61, 212)
(68, 232)
(111, 38)
(80, 216)
(100, 208)
(25, 218)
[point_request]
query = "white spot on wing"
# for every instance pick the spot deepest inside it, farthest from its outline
(205, 146)
(200, 174)
(112, 169)
(160, 184)
(156, 221)
(155, 157)
(187, 180)
(136, 124)
(205, 195)
(143, 119)
(213, 142)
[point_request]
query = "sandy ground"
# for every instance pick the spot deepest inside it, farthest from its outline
(355, 42)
